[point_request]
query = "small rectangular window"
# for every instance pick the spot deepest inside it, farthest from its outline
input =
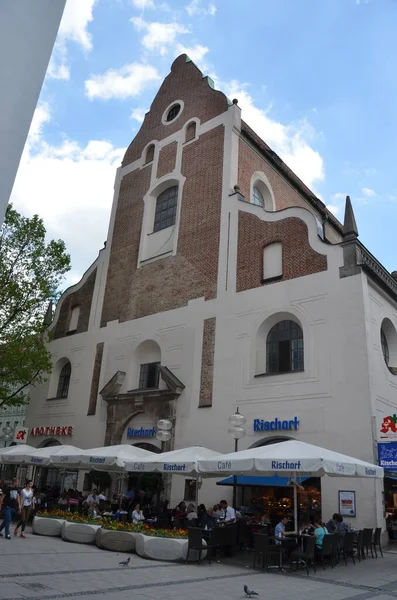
(190, 490)
(273, 261)
(149, 376)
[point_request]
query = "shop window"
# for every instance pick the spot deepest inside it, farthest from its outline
(74, 319)
(272, 262)
(388, 340)
(149, 154)
(284, 348)
(190, 132)
(149, 376)
(166, 206)
(64, 381)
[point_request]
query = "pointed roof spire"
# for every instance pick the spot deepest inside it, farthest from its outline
(48, 316)
(350, 230)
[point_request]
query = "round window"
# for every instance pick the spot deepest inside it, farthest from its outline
(173, 112)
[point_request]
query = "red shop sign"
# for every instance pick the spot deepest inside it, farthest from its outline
(57, 431)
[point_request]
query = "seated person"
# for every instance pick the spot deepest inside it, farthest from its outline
(137, 515)
(207, 520)
(319, 531)
(229, 513)
(280, 532)
(331, 525)
(217, 512)
(341, 529)
(191, 513)
(93, 511)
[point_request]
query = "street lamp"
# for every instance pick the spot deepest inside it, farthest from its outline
(163, 434)
(237, 430)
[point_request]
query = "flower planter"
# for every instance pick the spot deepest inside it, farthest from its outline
(169, 549)
(82, 533)
(117, 541)
(47, 526)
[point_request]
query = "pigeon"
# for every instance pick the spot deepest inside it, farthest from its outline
(125, 563)
(249, 592)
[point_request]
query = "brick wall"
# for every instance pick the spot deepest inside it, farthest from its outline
(96, 374)
(207, 363)
(299, 258)
(170, 282)
(185, 82)
(167, 160)
(81, 297)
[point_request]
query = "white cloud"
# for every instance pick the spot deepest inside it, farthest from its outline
(291, 142)
(334, 209)
(368, 192)
(138, 114)
(142, 4)
(339, 196)
(73, 28)
(71, 187)
(129, 81)
(158, 36)
(196, 53)
(194, 8)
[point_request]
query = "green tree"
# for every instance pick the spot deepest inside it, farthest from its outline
(31, 271)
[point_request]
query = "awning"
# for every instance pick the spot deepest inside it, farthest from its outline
(273, 481)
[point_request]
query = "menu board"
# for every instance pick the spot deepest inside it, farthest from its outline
(347, 503)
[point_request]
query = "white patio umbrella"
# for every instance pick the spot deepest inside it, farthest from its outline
(176, 462)
(43, 456)
(16, 454)
(291, 458)
(106, 458)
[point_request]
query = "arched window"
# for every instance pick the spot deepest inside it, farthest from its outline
(385, 347)
(166, 205)
(74, 319)
(257, 197)
(149, 154)
(284, 348)
(64, 381)
(190, 132)
(260, 192)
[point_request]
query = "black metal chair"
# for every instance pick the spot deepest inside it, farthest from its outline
(377, 541)
(195, 542)
(348, 547)
(264, 551)
(307, 555)
(218, 541)
(326, 551)
(358, 545)
(367, 541)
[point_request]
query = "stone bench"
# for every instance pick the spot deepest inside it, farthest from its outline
(168, 549)
(47, 526)
(117, 541)
(82, 533)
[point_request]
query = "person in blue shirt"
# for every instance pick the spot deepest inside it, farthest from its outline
(319, 531)
(279, 532)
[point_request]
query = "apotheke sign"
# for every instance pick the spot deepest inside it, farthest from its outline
(54, 431)
(276, 425)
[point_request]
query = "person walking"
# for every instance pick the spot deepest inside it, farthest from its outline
(26, 507)
(11, 503)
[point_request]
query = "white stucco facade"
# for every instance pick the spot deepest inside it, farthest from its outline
(27, 34)
(335, 398)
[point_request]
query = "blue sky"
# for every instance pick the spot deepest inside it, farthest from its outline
(315, 78)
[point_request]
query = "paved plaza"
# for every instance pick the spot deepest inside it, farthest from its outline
(49, 568)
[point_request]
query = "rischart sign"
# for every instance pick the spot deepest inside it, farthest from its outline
(276, 425)
(56, 431)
